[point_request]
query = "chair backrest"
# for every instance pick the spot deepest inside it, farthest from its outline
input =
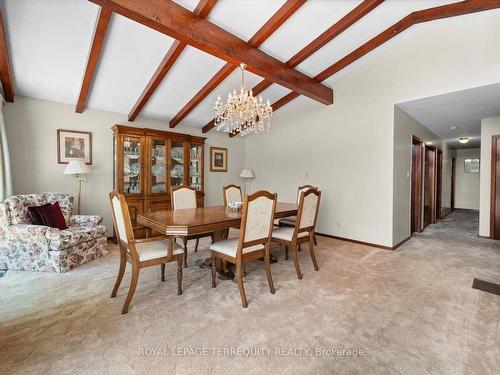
(121, 218)
(232, 193)
(302, 189)
(308, 210)
(257, 219)
(183, 197)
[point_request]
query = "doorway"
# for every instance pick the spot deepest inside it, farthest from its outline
(430, 185)
(495, 189)
(416, 185)
(439, 181)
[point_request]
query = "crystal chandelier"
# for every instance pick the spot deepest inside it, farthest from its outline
(242, 113)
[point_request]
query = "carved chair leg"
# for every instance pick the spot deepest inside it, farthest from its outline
(131, 290)
(196, 245)
(239, 277)
(163, 272)
(300, 247)
(296, 261)
(214, 271)
(179, 276)
(121, 271)
(313, 255)
(185, 241)
(267, 265)
(314, 238)
(244, 270)
(286, 252)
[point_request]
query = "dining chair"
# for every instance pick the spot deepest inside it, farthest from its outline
(291, 220)
(184, 197)
(231, 193)
(140, 253)
(253, 242)
(303, 231)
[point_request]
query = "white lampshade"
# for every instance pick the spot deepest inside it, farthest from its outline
(247, 173)
(76, 167)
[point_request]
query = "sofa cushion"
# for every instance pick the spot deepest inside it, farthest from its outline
(52, 216)
(18, 206)
(72, 236)
(34, 214)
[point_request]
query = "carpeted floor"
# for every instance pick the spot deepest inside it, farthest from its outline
(410, 311)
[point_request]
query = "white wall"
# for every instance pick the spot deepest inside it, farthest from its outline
(347, 148)
(489, 128)
(404, 127)
(32, 134)
(467, 184)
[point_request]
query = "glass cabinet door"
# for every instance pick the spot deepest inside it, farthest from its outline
(176, 163)
(158, 166)
(195, 166)
(132, 165)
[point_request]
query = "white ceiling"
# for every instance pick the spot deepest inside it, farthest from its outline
(49, 41)
(463, 109)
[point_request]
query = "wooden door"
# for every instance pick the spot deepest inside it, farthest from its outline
(416, 185)
(439, 179)
(430, 185)
(495, 188)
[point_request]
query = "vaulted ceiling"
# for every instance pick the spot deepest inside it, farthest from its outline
(49, 43)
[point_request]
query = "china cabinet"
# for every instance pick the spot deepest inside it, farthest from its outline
(149, 162)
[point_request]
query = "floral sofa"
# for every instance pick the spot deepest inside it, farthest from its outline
(28, 247)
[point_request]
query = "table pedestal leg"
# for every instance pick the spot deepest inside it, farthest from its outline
(223, 268)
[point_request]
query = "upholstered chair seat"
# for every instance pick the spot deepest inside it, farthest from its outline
(286, 233)
(156, 249)
(304, 228)
(140, 253)
(253, 242)
(230, 247)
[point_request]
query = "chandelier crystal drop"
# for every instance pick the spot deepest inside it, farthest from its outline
(242, 113)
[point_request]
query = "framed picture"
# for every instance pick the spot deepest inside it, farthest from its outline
(471, 165)
(74, 145)
(218, 159)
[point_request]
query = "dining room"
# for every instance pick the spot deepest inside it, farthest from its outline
(220, 186)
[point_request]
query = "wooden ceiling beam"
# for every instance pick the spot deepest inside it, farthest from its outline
(172, 19)
(95, 51)
(420, 16)
(285, 12)
(5, 69)
(202, 9)
(331, 33)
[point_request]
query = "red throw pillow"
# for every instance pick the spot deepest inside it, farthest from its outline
(52, 216)
(35, 217)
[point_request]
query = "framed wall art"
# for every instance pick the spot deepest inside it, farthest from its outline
(74, 145)
(218, 159)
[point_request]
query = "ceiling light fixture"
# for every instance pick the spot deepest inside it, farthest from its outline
(242, 113)
(453, 127)
(463, 139)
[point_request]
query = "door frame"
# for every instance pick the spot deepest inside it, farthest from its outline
(416, 187)
(434, 183)
(453, 177)
(439, 183)
(493, 184)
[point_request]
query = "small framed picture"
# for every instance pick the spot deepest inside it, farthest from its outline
(471, 165)
(218, 159)
(74, 145)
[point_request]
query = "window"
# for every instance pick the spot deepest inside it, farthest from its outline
(471, 165)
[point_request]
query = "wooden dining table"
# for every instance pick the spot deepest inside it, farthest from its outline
(216, 219)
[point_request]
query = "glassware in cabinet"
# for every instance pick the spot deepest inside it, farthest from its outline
(158, 166)
(132, 170)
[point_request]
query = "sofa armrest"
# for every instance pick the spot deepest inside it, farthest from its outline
(4, 216)
(85, 220)
(27, 229)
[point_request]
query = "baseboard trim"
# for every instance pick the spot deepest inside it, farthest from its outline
(383, 247)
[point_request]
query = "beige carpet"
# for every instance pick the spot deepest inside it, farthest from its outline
(410, 311)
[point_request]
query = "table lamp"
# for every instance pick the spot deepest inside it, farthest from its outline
(247, 175)
(77, 167)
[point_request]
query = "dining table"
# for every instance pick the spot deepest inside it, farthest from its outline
(216, 219)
